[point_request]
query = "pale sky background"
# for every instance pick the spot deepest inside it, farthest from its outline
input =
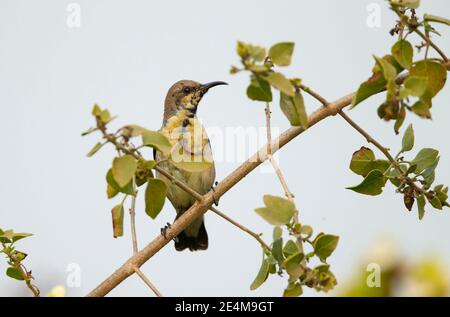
(125, 56)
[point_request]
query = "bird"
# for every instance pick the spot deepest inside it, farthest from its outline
(188, 137)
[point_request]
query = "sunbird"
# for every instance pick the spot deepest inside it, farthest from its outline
(188, 137)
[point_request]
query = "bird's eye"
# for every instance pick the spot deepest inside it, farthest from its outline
(187, 90)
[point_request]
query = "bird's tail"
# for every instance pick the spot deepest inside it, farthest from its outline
(185, 240)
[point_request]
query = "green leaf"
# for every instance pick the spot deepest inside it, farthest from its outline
(111, 191)
(96, 110)
(372, 184)
(20, 235)
(89, 131)
(95, 149)
(293, 265)
(156, 140)
(133, 130)
(281, 53)
(278, 211)
(414, 86)
(306, 231)
(412, 4)
(400, 119)
(149, 164)
(408, 139)
(429, 173)
(193, 167)
(294, 109)
(403, 53)
(117, 219)
(435, 202)
(421, 206)
(105, 116)
(155, 196)
(14, 273)
(424, 159)
(441, 193)
(258, 53)
(370, 87)
(277, 250)
(388, 70)
(277, 233)
(242, 49)
(114, 188)
(422, 109)
(20, 256)
(293, 290)
(245, 51)
(436, 74)
(290, 248)
(259, 90)
(325, 245)
(280, 82)
(262, 275)
(6, 236)
(363, 162)
(434, 18)
(123, 169)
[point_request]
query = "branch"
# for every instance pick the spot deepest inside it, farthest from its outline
(206, 201)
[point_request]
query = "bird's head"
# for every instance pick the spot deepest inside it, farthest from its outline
(186, 94)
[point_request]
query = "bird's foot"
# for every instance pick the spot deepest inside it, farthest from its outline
(164, 230)
(216, 201)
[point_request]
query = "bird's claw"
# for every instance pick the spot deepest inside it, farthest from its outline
(164, 230)
(216, 201)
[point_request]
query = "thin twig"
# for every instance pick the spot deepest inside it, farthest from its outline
(277, 169)
(135, 244)
(358, 128)
(133, 223)
(370, 139)
(424, 37)
(243, 228)
(147, 281)
(432, 44)
(275, 166)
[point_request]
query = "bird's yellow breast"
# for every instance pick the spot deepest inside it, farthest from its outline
(186, 132)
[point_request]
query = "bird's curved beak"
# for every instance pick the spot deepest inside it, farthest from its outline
(207, 86)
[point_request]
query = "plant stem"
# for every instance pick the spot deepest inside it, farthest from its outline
(147, 282)
(133, 223)
(277, 169)
(27, 277)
